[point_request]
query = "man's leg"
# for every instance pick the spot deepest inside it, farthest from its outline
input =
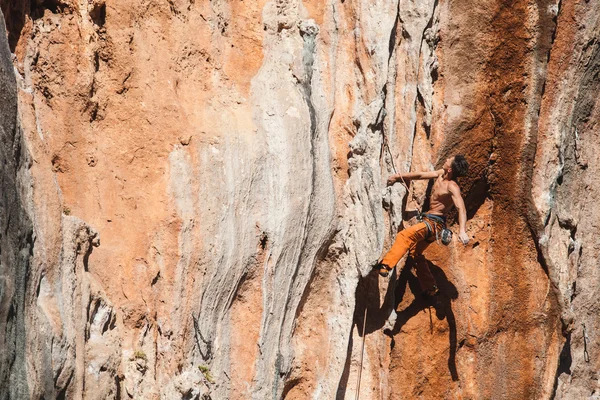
(426, 279)
(405, 240)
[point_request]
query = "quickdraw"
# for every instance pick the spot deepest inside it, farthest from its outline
(586, 355)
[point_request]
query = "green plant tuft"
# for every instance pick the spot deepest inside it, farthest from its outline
(206, 372)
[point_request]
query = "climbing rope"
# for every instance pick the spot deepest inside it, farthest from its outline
(362, 352)
(586, 355)
(387, 146)
(430, 321)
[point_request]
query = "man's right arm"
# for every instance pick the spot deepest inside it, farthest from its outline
(459, 203)
(414, 176)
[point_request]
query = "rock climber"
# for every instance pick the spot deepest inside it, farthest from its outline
(432, 226)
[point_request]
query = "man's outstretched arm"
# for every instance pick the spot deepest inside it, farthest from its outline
(414, 176)
(462, 213)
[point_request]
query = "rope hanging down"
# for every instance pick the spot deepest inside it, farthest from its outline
(387, 146)
(362, 352)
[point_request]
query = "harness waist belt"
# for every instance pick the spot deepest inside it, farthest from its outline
(437, 218)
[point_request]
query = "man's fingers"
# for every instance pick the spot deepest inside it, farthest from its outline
(464, 239)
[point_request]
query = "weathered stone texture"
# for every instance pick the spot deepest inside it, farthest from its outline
(233, 157)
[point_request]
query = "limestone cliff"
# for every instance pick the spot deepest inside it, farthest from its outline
(194, 192)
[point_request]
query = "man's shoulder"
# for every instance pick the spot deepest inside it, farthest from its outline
(453, 187)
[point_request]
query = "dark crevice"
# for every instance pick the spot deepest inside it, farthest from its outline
(189, 395)
(421, 102)
(264, 240)
(393, 35)
(117, 388)
(15, 15)
(155, 279)
(237, 292)
(62, 394)
(564, 363)
(12, 312)
(98, 14)
(430, 22)
(540, 255)
(427, 129)
(201, 342)
(96, 67)
(88, 252)
(423, 38)
(569, 225)
(113, 322)
(289, 385)
(434, 74)
(38, 8)
(107, 324)
(90, 316)
(94, 112)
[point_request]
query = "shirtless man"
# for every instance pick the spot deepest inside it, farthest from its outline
(444, 195)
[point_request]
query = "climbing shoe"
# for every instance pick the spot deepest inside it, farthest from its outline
(383, 269)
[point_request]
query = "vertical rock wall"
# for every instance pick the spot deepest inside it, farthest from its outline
(232, 158)
(16, 239)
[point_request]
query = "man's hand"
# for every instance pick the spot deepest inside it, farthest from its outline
(396, 178)
(463, 237)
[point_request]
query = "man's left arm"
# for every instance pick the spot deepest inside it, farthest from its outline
(462, 213)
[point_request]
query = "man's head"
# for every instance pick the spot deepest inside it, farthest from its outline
(456, 166)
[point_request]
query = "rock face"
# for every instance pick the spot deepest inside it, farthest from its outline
(193, 194)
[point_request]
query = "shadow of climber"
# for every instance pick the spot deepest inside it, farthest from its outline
(367, 298)
(442, 303)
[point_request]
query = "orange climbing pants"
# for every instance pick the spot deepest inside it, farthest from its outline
(415, 240)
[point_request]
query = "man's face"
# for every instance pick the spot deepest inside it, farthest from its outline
(448, 164)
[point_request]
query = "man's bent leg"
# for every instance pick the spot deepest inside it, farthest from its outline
(405, 240)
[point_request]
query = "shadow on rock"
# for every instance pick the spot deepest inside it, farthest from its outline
(442, 304)
(367, 298)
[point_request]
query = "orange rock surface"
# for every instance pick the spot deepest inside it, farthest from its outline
(194, 193)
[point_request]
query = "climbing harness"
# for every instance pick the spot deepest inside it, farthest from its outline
(586, 355)
(443, 235)
(362, 352)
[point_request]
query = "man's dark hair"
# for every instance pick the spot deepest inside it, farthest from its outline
(460, 166)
